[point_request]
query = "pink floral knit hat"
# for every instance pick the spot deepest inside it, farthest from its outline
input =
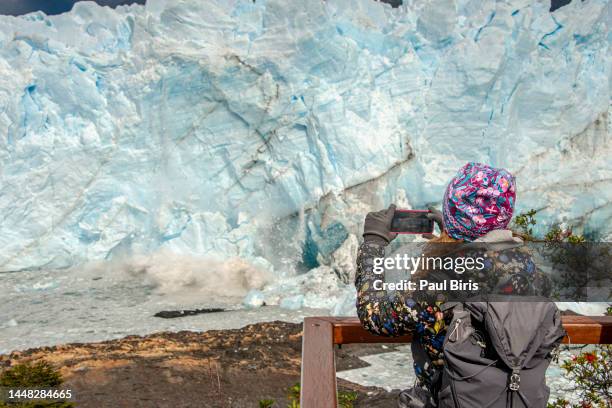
(480, 198)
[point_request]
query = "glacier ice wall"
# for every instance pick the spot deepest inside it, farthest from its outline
(266, 130)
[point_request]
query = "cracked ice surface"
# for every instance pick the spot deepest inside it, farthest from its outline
(264, 131)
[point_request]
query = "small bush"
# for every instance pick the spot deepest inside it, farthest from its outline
(40, 374)
(37, 375)
(591, 373)
(266, 403)
(525, 222)
(294, 396)
(346, 399)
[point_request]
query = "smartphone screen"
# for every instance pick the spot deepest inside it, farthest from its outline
(412, 222)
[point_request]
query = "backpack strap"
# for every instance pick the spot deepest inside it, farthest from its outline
(451, 305)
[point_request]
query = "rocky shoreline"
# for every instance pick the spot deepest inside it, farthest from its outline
(217, 368)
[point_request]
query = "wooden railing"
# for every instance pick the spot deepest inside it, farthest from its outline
(318, 385)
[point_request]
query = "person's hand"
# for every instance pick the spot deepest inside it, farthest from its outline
(438, 218)
(377, 226)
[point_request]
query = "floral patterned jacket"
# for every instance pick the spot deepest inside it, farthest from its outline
(394, 313)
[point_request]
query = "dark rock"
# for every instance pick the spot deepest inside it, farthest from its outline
(171, 314)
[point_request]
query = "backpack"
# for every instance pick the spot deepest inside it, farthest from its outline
(496, 354)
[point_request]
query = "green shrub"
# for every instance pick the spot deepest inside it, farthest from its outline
(41, 374)
(266, 403)
(525, 222)
(294, 396)
(591, 372)
(37, 375)
(346, 399)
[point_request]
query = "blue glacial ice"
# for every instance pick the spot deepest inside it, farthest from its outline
(179, 136)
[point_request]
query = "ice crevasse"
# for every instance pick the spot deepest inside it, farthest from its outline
(264, 130)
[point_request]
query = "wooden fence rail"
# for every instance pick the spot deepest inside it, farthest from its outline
(318, 385)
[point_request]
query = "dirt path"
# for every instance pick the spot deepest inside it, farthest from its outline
(219, 368)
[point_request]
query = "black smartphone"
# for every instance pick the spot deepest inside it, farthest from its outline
(412, 222)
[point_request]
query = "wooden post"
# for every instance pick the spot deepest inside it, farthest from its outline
(318, 389)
